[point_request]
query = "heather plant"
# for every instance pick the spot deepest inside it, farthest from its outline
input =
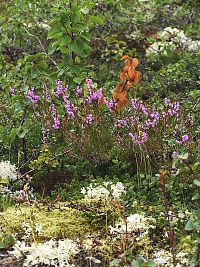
(89, 124)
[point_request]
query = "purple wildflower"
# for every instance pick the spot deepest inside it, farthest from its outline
(79, 90)
(56, 124)
(173, 108)
(185, 138)
(12, 91)
(121, 123)
(32, 96)
(47, 95)
(139, 139)
(110, 104)
(139, 106)
(131, 135)
(89, 119)
(70, 109)
(89, 83)
(174, 154)
(60, 89)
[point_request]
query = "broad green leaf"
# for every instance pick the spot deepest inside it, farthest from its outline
(52, 49)
(42, 64)
(189, 225)
(53, 31)
(64, 49)
(76, 46)
(64, 40)
(85, 10)
(96, 20)
(4, 181)
(197, 182)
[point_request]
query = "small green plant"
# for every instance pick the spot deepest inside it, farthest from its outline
(70, 36)
(5, 201)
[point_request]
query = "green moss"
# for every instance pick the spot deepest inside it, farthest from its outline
(60, 222)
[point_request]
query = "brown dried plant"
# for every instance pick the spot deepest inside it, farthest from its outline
(129, 77)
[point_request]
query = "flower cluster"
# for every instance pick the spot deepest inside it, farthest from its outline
(175, 218)
(51, 253)
(105, 192)
(60, 88)
(69, 107)
(121, 123)
(78, 90)
(89, 119)
(173, 107)
(32, 96)
(139, 139)
(184, 138)
(139, 125)
(164, 259)
(93, 95)
(30, 229)
(135, 223)
(12, 91)
(8, 171)
(56, 124)
(173, 39)
(139, 106)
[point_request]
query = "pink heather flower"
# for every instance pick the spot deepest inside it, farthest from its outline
(56, 124)
(139, 140)
(163, 114)
(79, 90)
(167, 101)
(121, 123)
(173, 108)
(46, 95)
(12, 91)
(139, 106)
(185, 138)
(60, 89)
(109, 104)
(131, 135)
(32, 96)
(174, 154)
(89, 83)
(89, 119)
(70, 109)
(65, 89)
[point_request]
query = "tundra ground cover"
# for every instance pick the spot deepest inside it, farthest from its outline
(99, 134)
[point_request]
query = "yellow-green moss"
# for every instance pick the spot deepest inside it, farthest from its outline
(59, 222)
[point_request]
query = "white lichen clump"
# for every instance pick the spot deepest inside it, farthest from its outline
(172, 39)
(8, 171)
(51, 253)
(105, 192)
